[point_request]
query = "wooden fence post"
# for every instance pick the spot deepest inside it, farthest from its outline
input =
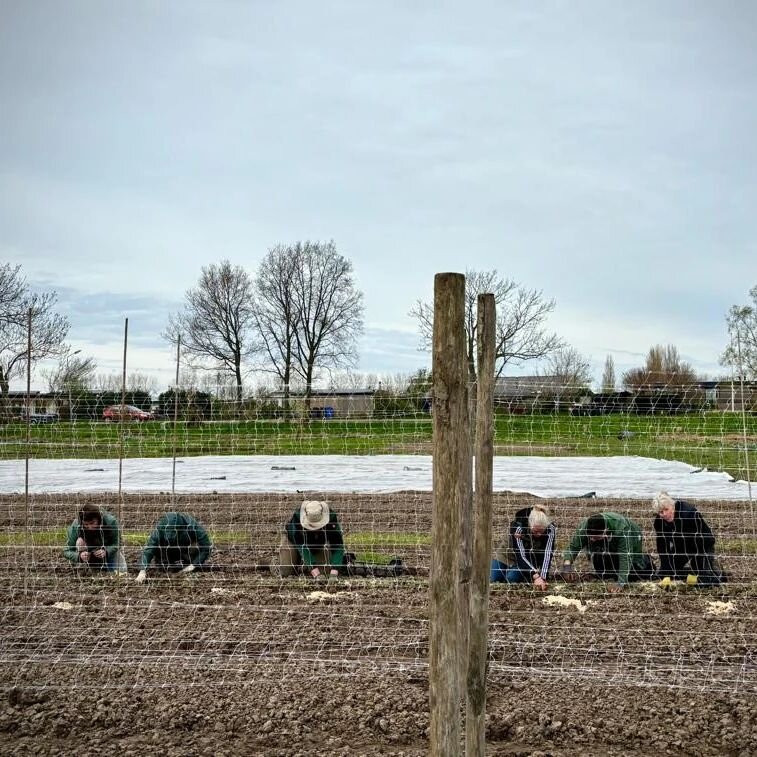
(475, 726)
(450, 457)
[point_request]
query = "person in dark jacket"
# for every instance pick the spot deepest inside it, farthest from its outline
(685, 543)
(313, 542)
(94, 541)
(528, 551)
(178, 542)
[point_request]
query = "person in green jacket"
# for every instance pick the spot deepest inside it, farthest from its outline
(94, 541)
(178, 542)
(613, 543)
(313, 542)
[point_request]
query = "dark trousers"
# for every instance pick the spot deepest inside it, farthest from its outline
(703, 566)
(606, 567)
(176, 558)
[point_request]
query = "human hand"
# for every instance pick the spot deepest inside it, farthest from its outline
(315, 573)
(99, 554)
(141, 576)
(84, 556)
(568, 573)
(540, 583)
(614, 588)
(187, 570)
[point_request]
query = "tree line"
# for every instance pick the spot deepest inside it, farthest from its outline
(299, 316)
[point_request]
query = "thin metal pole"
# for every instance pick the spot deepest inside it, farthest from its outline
(743, 427)
(175, 419)
(27, 535)
(122, 421)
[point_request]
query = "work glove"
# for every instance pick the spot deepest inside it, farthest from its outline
(141, 576)
(187, 570)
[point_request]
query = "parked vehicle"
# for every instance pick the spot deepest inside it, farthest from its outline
(36, 418)
(126, 413)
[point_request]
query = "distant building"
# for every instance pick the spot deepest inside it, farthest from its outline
(331, 403)
(36, 403)
(725, 394)
(522, 394)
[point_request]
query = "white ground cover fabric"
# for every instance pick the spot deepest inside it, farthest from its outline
(543, 476)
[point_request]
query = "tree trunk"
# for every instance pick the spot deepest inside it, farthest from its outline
(238, 376)
(5, 410)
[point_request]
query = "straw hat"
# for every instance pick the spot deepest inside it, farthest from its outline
(314, 514)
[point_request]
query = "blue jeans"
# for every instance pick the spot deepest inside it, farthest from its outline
(501, 573)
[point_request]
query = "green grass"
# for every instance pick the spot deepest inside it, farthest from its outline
(738, 546)
(387, 539)
(373, 558)
(57, 538)
(710, 439)
(378, 548)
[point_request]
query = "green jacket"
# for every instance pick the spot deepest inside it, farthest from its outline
(107, 536)
(306, 542)
(625, 542)
(177, 531)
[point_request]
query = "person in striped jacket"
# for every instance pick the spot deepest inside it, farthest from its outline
(527, 553)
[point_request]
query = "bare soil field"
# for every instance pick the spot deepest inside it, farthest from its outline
(236, 661)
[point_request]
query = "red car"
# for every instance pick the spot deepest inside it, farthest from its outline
(126, 413)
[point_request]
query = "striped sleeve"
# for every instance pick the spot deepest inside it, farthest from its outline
(548, 550)
(521, 549)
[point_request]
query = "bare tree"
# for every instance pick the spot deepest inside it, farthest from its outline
(663, 367)
(217, 322)
(521, 320)
(49, 329)
(71, 373)
(345, 380)
(741, 352)
(608, 376)
(276, 312)
(329, 311)
(136, 381)
(571, 368)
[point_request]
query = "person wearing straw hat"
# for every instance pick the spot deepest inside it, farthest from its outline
(313, 542)
(178, 542)
(685, 543)
(94, 541)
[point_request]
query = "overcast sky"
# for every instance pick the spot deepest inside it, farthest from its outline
(603, 152)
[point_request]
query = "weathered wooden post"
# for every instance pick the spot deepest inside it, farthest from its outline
(475, 726)
(451, 456)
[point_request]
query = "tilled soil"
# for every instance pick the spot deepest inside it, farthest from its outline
(235, 661)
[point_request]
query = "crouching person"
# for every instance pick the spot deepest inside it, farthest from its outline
(527, 553)
(685, 543)
(614, 544)
(177, 543)
(94, 541)
(313, 542)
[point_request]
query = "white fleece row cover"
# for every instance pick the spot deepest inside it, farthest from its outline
(542, 476)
